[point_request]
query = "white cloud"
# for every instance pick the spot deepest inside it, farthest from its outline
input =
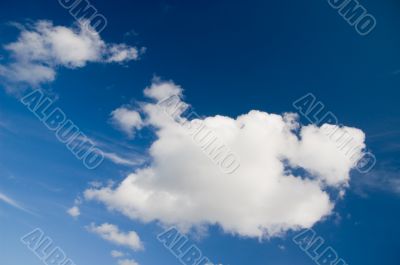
(112, 233)
(127, 262)
(42, 47)
(117, 254)
(117, 159)
(28, 72)
(127, 160)
(121, 53)
(160, 90)
(4, 198)
(282, 184)
(385, 179)
(74, 211)
(10, 201)
(126, 120)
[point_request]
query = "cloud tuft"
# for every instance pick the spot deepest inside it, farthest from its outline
(112, 234)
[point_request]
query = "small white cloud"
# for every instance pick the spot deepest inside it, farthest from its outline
(42, 47)
(74, 211)
(117, 254)
(112, 234)
(126, 120)
(160, 90)
(127, 262)
(121, 53)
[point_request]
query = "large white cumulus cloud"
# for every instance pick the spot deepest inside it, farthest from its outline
(282, 183)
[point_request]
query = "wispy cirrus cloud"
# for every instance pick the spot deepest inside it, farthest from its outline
(117, 159)
(120, 157)
(6, 199)
(383, 179)
(127, 262)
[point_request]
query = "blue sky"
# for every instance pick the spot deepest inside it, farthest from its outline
(229, 57)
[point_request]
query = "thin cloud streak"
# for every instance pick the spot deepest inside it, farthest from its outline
(122, 161)
(4, 198)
